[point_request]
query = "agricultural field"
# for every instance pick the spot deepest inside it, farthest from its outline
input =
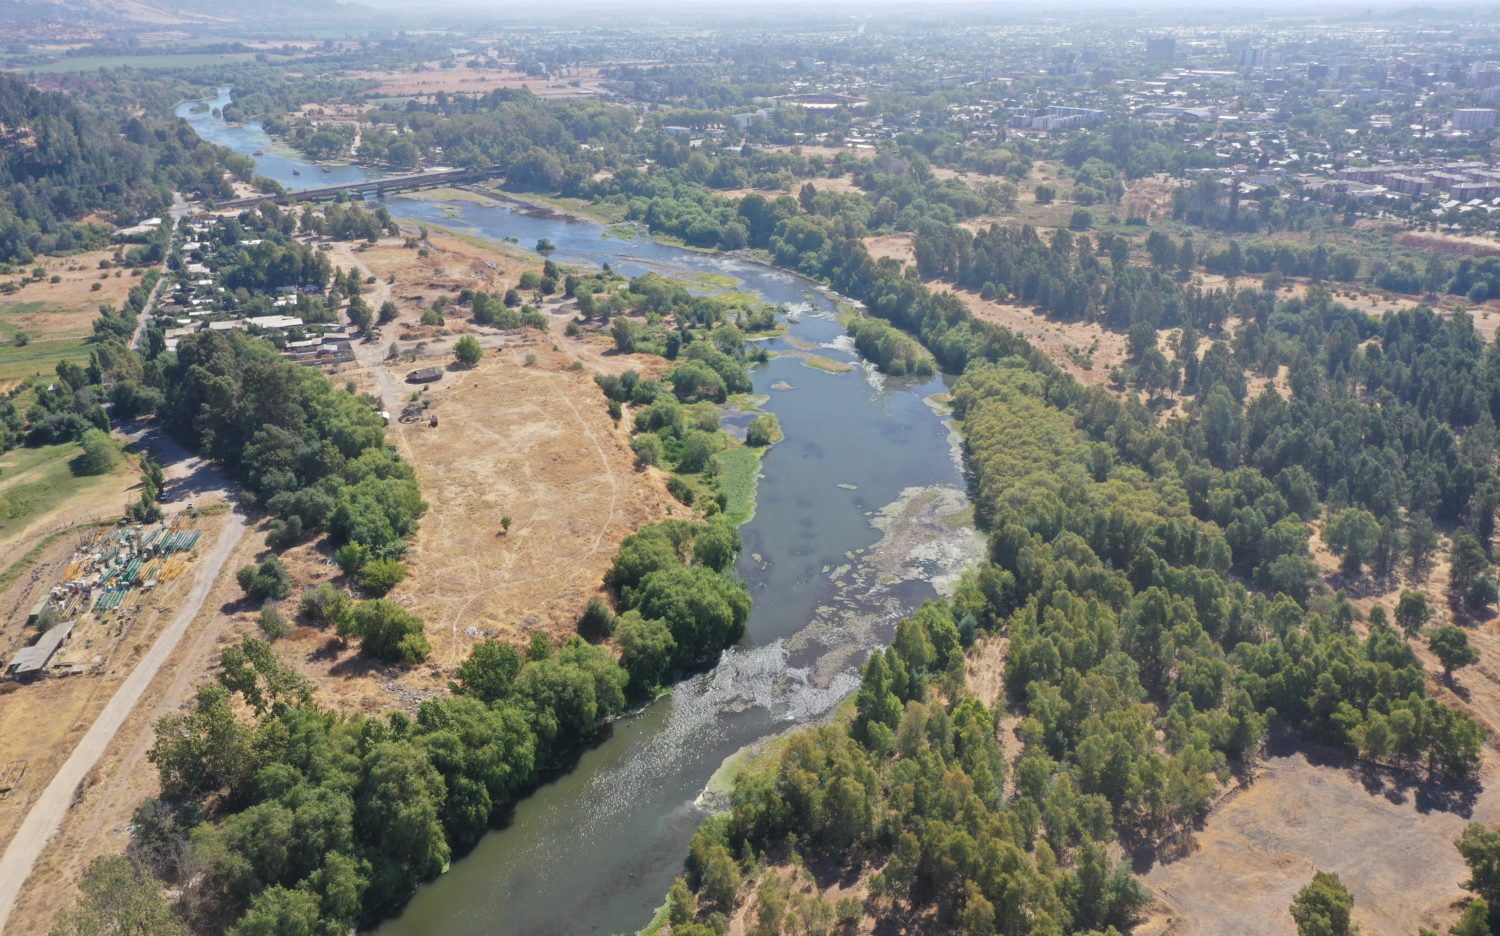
(44, 322)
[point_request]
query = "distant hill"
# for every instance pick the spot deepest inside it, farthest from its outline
(92, 16)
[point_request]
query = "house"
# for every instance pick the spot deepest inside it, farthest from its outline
(425, 375)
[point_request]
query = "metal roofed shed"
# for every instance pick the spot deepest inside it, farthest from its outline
(33, 659)
(425, 375)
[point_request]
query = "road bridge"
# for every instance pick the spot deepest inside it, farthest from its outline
(387, 185)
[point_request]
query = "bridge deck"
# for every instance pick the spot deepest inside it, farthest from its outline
(404, 183)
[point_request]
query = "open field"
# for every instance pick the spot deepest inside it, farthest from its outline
(37, 486)
(56, 317)
(1086, 350)
(428, 79)
(1390, 842)
(524, 434)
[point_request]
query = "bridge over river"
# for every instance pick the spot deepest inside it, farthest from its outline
(378, 187)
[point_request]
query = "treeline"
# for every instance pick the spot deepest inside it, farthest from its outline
(311, 454)
(60, 161)
(278, 816)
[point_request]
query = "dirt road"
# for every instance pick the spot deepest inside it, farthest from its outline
(53, 803)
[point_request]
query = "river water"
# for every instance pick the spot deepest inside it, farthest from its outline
(861, 515)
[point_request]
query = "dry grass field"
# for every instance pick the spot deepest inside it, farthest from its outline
(56, 317)
(428, 79)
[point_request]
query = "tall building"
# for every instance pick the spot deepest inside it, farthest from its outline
(1473, 118)
(1161, 49)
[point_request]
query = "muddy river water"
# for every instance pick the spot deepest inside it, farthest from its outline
(861, 515)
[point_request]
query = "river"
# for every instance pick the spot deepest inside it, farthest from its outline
(861, 515)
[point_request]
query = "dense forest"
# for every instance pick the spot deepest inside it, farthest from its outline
(60, 161)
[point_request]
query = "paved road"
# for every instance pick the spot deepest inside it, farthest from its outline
(52, 805)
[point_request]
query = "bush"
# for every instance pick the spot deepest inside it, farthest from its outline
(327, 606)
(379, 576)
(763, 431)
(598, 621)
(352, 557)
(390, 633)
(467, 351)
(648, 448)
(100, 454)
(268, 581)
(681, 490)
(271, 623)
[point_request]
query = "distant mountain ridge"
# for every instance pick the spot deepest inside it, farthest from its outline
(96, 14)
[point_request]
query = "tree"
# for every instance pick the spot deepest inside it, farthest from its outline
(1352, 534)
(624, 334)
(280, 911)
(360, 315)
(388, 312)
(1451, 646)
(1480, 848)
(1322, 907)
(1472, 580)
(268, 581)
(100, 454)
(489, 671)
(646, 650)
(467, 351)
(119, 896)
(1412, 613)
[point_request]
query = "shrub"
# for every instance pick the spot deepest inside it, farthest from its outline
(598, 621)
(271, 623)
(379, 576)
(390, 633)
(268, 581)
(763, 431)
(100, 454)
(467, 351)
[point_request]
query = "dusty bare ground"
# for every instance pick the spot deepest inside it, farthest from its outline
(1086, 350)
(98, 823)
(524, 434)
(1390, 843)
(1450, 243)
(1149, 198)
(464, 80)
(898, 247)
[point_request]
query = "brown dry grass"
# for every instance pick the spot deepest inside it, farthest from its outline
(1086, 350)
(897, 247)
(463, 80)
(530, 441)
(1391, 844)
(1450, 243)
